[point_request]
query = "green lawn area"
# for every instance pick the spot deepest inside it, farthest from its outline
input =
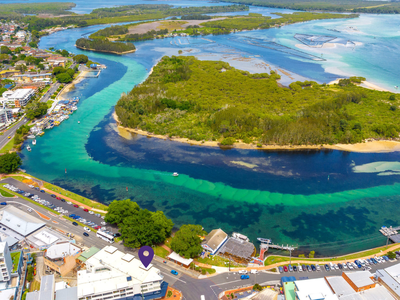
(49, 103)
(160, 251)
(15, 259)
(8, 147)
(277, 259)
(81, 199)
(217, 261)
(5, 193)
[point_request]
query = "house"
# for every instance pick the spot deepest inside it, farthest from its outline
(9, 73)
(33, 77)
(18, 98)
(214, 241)
(360, 280)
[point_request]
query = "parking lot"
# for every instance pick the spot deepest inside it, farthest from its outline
(87, 217)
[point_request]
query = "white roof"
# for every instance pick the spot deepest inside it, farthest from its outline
(61, 250)
(20, 93)
(360, 278)
(109, 270)
(178, 258)
(314, 289)
(339, 285)
(46, 237)
(19, 221)
(394, 271)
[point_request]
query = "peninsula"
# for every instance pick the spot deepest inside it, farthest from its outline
(212, 102)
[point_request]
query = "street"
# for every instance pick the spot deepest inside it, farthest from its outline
(50, 92)
(10, 132)
(192, 288)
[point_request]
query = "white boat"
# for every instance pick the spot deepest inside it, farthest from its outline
(34, 142)
(79, 122)
(28, 148)
(31, 136)
(175, 174)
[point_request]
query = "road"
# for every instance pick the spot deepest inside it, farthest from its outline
(10, 132)
(191, 288)
(50, 92)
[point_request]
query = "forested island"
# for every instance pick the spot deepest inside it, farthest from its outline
(103, 45)
(362, 6)
(212, 101)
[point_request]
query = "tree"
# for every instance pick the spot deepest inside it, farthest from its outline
(21, 68)
(5, 50)
(63, 78)
(311, 254)
(81, 59)
(9, 162)
(35, 110)
(391, 255)
(33, 44)
(58, 70)
(3, 57)
(163, 223)
(2, 90)
(141, 229)
(392, 97)
(41, 66)
(64, 53)
(118, 210)
(186, 241)
(70, 72)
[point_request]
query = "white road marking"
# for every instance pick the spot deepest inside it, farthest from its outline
(173, 277)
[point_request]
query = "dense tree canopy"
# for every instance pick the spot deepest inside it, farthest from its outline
(81, 59)
(64, 78)
(138, 227)
(36, 110)
(9, 162)
(104, 45)
(181, 99)
(186, 241)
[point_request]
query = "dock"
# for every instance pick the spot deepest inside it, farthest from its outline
(391, 233)
(267, 243)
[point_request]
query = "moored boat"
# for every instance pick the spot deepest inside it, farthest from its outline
(31, 136)
(34, 142)
(175, 174)
(28, 148)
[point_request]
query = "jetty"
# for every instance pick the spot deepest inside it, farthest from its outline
(391, 233)
(267, 243)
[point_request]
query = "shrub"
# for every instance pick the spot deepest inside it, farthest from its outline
(393, 108)
(392, 97)
(228, 141)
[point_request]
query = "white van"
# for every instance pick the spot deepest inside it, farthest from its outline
(254, 272)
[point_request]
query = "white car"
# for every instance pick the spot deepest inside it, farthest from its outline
(86, 229)
(90, 212)
(299, 268)
(254, 271)
(31, 186)
(344, 266)
(242, 272)
(102, 217)
(69, 203)
(103, 223)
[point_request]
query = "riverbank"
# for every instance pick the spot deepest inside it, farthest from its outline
(367, 147)
(71, 85)
(105, 51)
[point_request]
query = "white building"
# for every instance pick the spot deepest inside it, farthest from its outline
(20, 34)
(112, 274)
(5, 116)
(314, 289)
(5, 262)
(214, 240)
(19, 224)
(17, 98)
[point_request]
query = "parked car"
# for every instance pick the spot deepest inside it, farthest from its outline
(117, 234)
(309, 269)
(242, 272)
(300, 268)
(254, 271)
(74, 223)
(85, 209)
(58, 198)
(3, 203)
(244, 277)
(53, 196)
(290, 268)
(86, 229)
(174, 272)
(313, 268)
(340, 266)
(285, 268)
(62, 200)
(91, 212)
(318, 268)
(42, 191)
(280, 269)
(304, 268)
(327, 268)
(76, 205)
(69, 202)
(97, 227)
(103, 223)
(86, 234)
(294, 268)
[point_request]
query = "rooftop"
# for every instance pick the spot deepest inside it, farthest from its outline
(67, 294)
(178, 258)
(88, 254)
(21, 93)
(238, 248)
(61, 250)
(314, 289)
(339, 285)
(19, 221)
(215, 238)
(360, 278)
(389, 281)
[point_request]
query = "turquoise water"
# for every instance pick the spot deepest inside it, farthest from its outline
(329, 201)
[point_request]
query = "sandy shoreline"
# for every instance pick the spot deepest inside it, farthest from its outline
(365, 84)
(71, 85)
(367, 147)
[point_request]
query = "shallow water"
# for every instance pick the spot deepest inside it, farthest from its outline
(329, 201)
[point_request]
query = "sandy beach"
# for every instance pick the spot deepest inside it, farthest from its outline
(71, 85)
(365, 84)
(367, 147)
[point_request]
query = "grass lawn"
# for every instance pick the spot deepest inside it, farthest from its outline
(160, 251)
(52, 187)
(15, 259)
(171, 25)
(217, 261)
(5, 193)
(277, 259)
(49, 103)
(35, 286)
(8, 147)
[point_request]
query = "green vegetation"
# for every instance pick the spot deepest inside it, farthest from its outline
(215, 260)
(196, 17)
(138, 227)
(8, 147)
(128, 13)
(18, 9)
(36, 110)
(29, 276)
(104, 45)
(9, 163)
(6, 194)
(109, 31)
(180, 99)
(186, 241)
(64, 75)
(81, 59)
(391, 255)
(363, 6)
(160, 251)
(149, 35)
(15, 259)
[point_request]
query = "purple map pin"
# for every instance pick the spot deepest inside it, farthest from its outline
(146, 255)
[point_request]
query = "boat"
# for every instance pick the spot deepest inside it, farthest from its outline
(175, 174)
(34, 142)
(264, 241)
(28, 148)
(31, 136)
(79, 122)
